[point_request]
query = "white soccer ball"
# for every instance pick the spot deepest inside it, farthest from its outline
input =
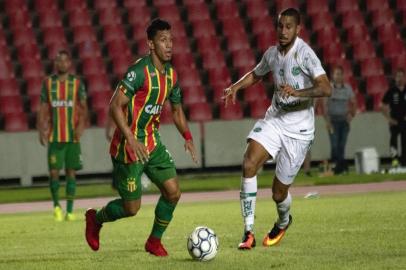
(202, 244)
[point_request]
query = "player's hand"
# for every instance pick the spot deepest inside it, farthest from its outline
(139, 149)
(190, 148)
(43, 138)
(229, 95)
(78, 133)
(287, 91)
(392, 122)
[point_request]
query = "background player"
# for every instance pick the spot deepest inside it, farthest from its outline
(287, 130)
(61, 121)
(136, 146)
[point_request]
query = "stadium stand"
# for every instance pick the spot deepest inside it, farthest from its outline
(215, 43)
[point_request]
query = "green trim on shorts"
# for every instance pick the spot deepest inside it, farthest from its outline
(159, 168)
(66, 155)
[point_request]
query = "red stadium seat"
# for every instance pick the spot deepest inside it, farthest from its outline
(34, 86)
(42, 6)
(363, 50)
(398, 62)
(185, 59)
(255, 92)
(388, 32)
(401, 5)
(15, 5)
(371, 67)
(35, 102)
(79, 17)
(11, 104)
(226, 9)
(19, 19)
(54, 48)
(283, 4)
(327, 36)
(113, 32)
(256, 9)
(139, 16)
(219, 79)
(200, 112)
(105, 4)
(166, 114)
(346, 5)
(93, 66)
(237, 42)
(208, 43)
(233, 27)
(71, 5)
(134, 3)
(373, 5)
(213, 59)
(89, 49)
(23, 36)
(28, 52)
(6, 70)
(170, 13)
(142, 48)
(54, 35)
(33, 69)
(333, 53)
(376, 84)
(178, 29)
(50, 18)
(259, 107)
(83, 33)
(382, 16)
(203, 28)
(314, 7)
(263, 25)
(100, 100)
(98, 83)
(198, 12)
(393, 48)
(121, 64)
(119, 48)
(323, 20)
(232, 112)
(164, 3)
(243, 58)
(9, 87)
(357, 33)
(180, 45)
(14, 122)
(102, 116)
(190, 81)
(109, 17)
(352, 18)
(193, 95)
(265, 40)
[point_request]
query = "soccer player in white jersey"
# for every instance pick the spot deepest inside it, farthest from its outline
(287, 131)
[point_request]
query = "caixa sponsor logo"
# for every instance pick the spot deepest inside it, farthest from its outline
(62, 103)
(153, 109)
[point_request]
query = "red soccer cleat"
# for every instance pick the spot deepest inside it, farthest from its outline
(92, 229)
(155, 247)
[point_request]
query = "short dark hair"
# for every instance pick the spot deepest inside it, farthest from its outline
(61, 52)
(291, 12)
(339, 67)
(155, 26)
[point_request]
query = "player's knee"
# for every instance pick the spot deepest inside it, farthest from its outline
(249, 167)
(174, 197)
(278, 195)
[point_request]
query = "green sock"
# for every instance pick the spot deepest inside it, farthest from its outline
(54, 187)
(70, 193)
(112, 211)
(163, 215)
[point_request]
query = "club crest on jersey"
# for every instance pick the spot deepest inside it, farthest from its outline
(131, 76)
(295, 71)
(153, 109)
(62, 103)
(281, 72)
(257, 129)
(131, 185)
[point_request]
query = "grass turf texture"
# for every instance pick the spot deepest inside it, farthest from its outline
(363, 231)
(188, 184)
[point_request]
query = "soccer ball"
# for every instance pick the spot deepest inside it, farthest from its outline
(202, 244)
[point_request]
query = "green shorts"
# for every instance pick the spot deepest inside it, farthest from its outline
(66, 155)
(127, 177)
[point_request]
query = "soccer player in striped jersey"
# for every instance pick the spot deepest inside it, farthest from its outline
(136, 146)
(61, 121)
(287, 130)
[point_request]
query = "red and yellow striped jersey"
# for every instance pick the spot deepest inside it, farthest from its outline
(62, 98)
(147, 90)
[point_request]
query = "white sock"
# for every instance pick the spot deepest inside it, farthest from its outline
(248, 198)
(283, 211)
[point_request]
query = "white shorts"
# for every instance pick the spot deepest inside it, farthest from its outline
(289, 153)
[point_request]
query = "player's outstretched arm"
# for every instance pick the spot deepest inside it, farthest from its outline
(117, 103)
(321, 88)
(246, 81)
(42, 123)
(181, 124)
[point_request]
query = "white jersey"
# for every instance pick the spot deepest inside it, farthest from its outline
(298, 68)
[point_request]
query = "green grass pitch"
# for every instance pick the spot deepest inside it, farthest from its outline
(363, 231)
